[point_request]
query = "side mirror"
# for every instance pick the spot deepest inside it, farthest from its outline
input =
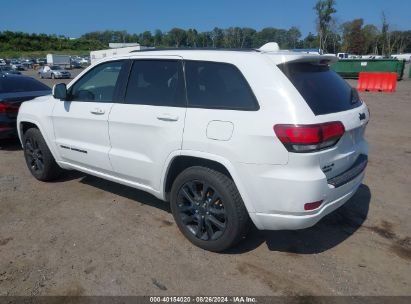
(60, 91)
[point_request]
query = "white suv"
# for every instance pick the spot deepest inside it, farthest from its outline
(225, 136)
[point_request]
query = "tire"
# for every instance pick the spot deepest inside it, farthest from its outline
(39, 159)
(215, 219)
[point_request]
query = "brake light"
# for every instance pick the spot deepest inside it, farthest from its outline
(309, 138)
(8, 108)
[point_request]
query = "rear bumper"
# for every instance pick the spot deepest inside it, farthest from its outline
(277, 194)
(8, 133)
(8, 128)
(266, 221)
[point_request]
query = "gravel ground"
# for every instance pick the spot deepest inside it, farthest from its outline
(82, 235)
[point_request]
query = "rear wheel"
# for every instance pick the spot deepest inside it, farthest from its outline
(38, 157)
(208, 209)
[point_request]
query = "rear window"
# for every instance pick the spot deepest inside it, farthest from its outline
(218, 86)
(324, 90)
(21, 84)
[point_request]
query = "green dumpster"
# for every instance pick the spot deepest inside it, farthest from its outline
(350, 68)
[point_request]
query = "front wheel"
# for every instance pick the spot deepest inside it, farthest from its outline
(38, 157)
(208, 209)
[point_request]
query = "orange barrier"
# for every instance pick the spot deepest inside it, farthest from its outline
(377, 82)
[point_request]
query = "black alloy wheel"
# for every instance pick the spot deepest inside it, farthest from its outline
(202, 210)
(34, 155)
(39, 159)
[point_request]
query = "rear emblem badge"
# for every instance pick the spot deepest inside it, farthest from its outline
(328, 168)
(362, 116)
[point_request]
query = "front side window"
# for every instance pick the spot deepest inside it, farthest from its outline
(157, 83)
(218, 85)
(99, 84)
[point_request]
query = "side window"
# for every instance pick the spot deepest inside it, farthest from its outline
(157, 83)
(218, 85)
(98, 84)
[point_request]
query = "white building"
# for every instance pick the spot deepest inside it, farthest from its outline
(122, 45)
(114, 50)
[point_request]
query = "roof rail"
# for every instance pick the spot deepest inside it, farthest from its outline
(197, 49)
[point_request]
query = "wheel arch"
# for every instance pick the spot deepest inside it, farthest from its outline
(177, 163)
(25, 123)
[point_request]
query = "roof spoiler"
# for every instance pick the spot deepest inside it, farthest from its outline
(270, 47)
(314, 59)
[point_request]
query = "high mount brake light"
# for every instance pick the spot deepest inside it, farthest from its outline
(8, 108)
(309, 138)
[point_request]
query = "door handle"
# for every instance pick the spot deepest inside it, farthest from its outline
(167, 117)
(97, 111)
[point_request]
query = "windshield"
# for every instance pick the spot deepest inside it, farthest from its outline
(55, 67)
(324, 90)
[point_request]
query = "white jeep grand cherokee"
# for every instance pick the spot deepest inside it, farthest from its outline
(224, 136)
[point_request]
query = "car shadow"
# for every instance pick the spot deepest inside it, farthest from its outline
(10, 144)
(332, 230)
(69, 175)
(126, 192)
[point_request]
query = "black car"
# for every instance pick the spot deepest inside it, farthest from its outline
(14, 89)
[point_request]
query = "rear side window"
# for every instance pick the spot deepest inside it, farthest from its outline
(219, 86)
(157, 83)
(324, 90)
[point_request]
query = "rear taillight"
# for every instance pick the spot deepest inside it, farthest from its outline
(8, 108)
(309, 138)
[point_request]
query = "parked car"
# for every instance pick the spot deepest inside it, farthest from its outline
(2, 62)
(6, 69)
(27, 64)
(224, 136)
(41, 61)
(75, 64)
(84, 61)
(14, 89)
(54, 71)
(16, 65)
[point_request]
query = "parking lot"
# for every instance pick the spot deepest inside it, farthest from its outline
(82, 235)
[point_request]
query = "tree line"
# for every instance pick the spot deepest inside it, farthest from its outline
(232, 37)
(353, 37)
(21, 42)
